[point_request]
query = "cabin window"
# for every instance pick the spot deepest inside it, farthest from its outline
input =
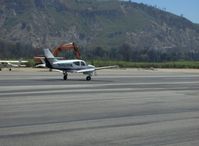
(68, 65)
(65, 65)
(83, 63)
(77, 63)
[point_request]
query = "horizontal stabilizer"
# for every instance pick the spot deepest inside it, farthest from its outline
(40, 65)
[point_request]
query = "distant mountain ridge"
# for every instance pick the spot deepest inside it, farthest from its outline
(102, 28)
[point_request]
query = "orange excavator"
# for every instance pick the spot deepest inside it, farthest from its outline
(63, 47)
(69, 46)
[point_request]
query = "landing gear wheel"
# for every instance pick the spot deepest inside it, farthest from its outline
(10, 69)
(88, 78)
(65, 77)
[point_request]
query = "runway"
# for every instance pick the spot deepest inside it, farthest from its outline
(116, 108)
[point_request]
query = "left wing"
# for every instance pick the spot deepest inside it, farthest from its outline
(88, 70)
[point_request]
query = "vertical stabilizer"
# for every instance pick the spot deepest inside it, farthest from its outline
(48, 54)
(49, 58)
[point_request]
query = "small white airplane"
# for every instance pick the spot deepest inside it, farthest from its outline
(72, 66)
(12, 63)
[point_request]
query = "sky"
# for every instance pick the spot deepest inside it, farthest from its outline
(188, 8)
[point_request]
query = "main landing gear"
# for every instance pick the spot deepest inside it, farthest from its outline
(65, 77)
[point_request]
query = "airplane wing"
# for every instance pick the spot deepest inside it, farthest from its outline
(86, 70)
(13, 61)
(106, 67)
(12, 65)
(8, 61)
(97, 68)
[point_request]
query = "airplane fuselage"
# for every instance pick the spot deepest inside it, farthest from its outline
(74, 66)
(70, 65)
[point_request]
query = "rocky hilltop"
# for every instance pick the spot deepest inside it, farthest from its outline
(102, 28)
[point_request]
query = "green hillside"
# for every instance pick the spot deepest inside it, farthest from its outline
(108, 29)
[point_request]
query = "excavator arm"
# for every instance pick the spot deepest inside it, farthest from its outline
(62, 47)
(68, 46)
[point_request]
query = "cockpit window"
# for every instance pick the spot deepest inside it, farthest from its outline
(83, 63)
(77, 63)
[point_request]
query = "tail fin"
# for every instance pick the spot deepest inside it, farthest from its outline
(49, 58)
(48, 54)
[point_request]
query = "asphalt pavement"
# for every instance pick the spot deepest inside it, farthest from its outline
(132, 107)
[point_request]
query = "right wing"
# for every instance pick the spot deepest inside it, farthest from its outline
(106, 67)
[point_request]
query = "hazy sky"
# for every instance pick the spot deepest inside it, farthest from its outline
(189, 8)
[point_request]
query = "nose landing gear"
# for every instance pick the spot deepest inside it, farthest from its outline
(88, 78)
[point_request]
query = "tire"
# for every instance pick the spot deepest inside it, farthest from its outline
(65, 77)
(88, 78)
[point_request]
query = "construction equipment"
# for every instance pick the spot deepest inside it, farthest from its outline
(63, 47)
(69, 46)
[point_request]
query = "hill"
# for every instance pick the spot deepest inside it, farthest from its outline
(102, 28)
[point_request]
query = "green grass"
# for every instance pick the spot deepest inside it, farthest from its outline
(124, 64)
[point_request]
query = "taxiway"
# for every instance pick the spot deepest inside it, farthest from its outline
(117, 107)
